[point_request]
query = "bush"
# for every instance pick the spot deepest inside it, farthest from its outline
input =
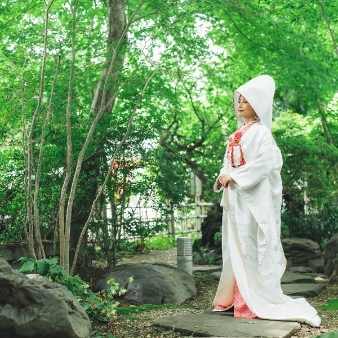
(318, 226)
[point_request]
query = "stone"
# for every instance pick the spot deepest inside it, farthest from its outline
(38, 308)
(152, 283)
(303, 290)
(206, 269)
(222, 325)
(299, 251)
(317, 265)
(334, 278)
(295, 278)
(14, 252)
(316, 275)
(36, 276)
(331, 255)
(300, 269)
(216, 274)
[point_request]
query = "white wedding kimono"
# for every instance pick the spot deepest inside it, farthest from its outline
(252, 251)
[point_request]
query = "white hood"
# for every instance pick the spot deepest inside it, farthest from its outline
(259, 92)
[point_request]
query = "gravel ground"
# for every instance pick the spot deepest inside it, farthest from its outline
(139, 324)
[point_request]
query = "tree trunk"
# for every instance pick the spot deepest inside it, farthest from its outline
(32, 194)
(104, 96)
(65, 213)
(114, 63)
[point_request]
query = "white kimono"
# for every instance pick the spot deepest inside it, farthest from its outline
(252, 250)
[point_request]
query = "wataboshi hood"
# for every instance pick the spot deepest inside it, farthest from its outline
(259, 92)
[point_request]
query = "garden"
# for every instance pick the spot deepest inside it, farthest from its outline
(113, 127)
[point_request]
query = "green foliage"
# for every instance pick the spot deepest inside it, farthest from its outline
(127, 246)
(133, 309)
(218, 237)
(160, 242)
(327, 335)
(202, 50)
(309, 174)
(99, 306)
(98, 334)
(318, 226)
(332, 305)
(204, 254)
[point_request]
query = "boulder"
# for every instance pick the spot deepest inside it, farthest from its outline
(38, 308)
(300, 251)
(317, 265)
(331, 256)
(152, 283)
(36, 276)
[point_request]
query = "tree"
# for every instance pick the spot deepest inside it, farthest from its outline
(84, 83)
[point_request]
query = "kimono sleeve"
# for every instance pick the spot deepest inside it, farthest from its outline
(259, 166)
(223, 171)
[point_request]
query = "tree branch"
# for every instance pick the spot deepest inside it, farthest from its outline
(328, 26)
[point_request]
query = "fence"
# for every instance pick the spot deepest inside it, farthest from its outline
(186, 219)
(189, 217)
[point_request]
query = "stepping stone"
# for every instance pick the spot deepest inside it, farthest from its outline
(220, 325)
(216, 274)
(206, 269)
(300, 269)
(290, 279)
(303, 290)
(286, 279)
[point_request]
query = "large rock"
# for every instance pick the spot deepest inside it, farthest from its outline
(153, 283)
(300, 251)
(331, 256)
(38, 308)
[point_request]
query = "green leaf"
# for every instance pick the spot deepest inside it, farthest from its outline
(28, 266)
(42, 267)
(56, 270)
(332, 304)
(327, 335)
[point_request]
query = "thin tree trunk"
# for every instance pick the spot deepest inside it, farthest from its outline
(28, 219)
(328, 26)
(38, 241)
(64, 227)
(327, 130)
(32, 213)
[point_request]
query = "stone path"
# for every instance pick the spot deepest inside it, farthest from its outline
(222, 324)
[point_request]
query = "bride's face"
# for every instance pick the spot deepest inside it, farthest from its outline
(244, 109)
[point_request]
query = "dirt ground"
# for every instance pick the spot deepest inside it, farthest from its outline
(153, 256)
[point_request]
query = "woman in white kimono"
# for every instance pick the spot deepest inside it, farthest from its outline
(253, 257)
